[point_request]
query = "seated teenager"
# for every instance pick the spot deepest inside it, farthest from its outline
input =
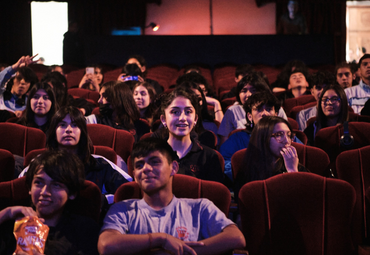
(141, 63)
(319, 80)
(270, 152)
(40, 108)
(53, 179)
(205, 119)
(160, 221)
(234, 117)
(201, 82)
(92, 81)
(68, 131)
(179, 116)
(257, 106)
(240, 72)
(332, 109)
(121, 110)
(144, 96)
(13, 91)
(298, 85)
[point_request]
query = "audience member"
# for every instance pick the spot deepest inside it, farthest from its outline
(205, 120)
(298, 85)
(120, 110)
(131, 72)
(54, 179)
(13, 97)
(240, 72)
(56, 68)
(179, 116)
(358, 95)
(141, 62)
(345, 75)
(319, 80)
(68, 131)
(258, 105)
(144, 96)
(40, 108)
(332, 109)
(92, 81)
(269, 152)
(282, 80)
(234, 117)
(160, 221)
(206, 90)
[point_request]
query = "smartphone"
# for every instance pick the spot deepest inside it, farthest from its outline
(89, 70)
(131, 78)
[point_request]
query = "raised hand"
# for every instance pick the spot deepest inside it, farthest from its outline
(290, 157)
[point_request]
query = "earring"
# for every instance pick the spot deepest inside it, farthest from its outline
(164, 124)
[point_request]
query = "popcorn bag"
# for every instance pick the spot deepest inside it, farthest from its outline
(30, 233)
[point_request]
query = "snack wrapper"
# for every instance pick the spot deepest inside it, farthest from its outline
(30, 233)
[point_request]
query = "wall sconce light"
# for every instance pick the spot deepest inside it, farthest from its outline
(154, 26)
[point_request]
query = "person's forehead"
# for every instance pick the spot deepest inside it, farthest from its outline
(343, 70)
(365, 61)
(296, 74)
(150, 155)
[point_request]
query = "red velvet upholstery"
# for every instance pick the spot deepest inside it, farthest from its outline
(291, 102)
(19, 139)
(6, 165)
(120, 141)
(227, 102)
(74, 77)
(301, 136)
(297, 213)
(293, 123)
(328, 139)
(353, 166)
(314, 159)
(15, 192)
(296, 109)
(84, 93)
(95, 111)
(184, 187)
(104, 151)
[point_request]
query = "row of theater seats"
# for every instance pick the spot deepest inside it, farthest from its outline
(28, 142)
(222, 78)
(298, 213)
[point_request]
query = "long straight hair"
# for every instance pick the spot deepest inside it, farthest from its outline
(259, 158)
(84, 146)
(28, 119)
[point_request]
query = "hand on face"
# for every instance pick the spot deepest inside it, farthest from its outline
(290, 157)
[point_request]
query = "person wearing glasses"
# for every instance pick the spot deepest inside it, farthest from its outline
(270, 152)
(332, 109)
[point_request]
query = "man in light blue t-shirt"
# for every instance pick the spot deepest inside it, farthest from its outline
(160, 221)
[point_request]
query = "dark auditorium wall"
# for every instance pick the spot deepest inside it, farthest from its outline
(98, 17)
(192, 17)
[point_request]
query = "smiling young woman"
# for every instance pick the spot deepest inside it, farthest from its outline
(179, 117)
(40, 108)
(332, 109)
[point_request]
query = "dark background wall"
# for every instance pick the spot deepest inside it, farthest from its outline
(326, 23)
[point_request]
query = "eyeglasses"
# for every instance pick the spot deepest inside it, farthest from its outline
(332, 100)
(280, 136)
